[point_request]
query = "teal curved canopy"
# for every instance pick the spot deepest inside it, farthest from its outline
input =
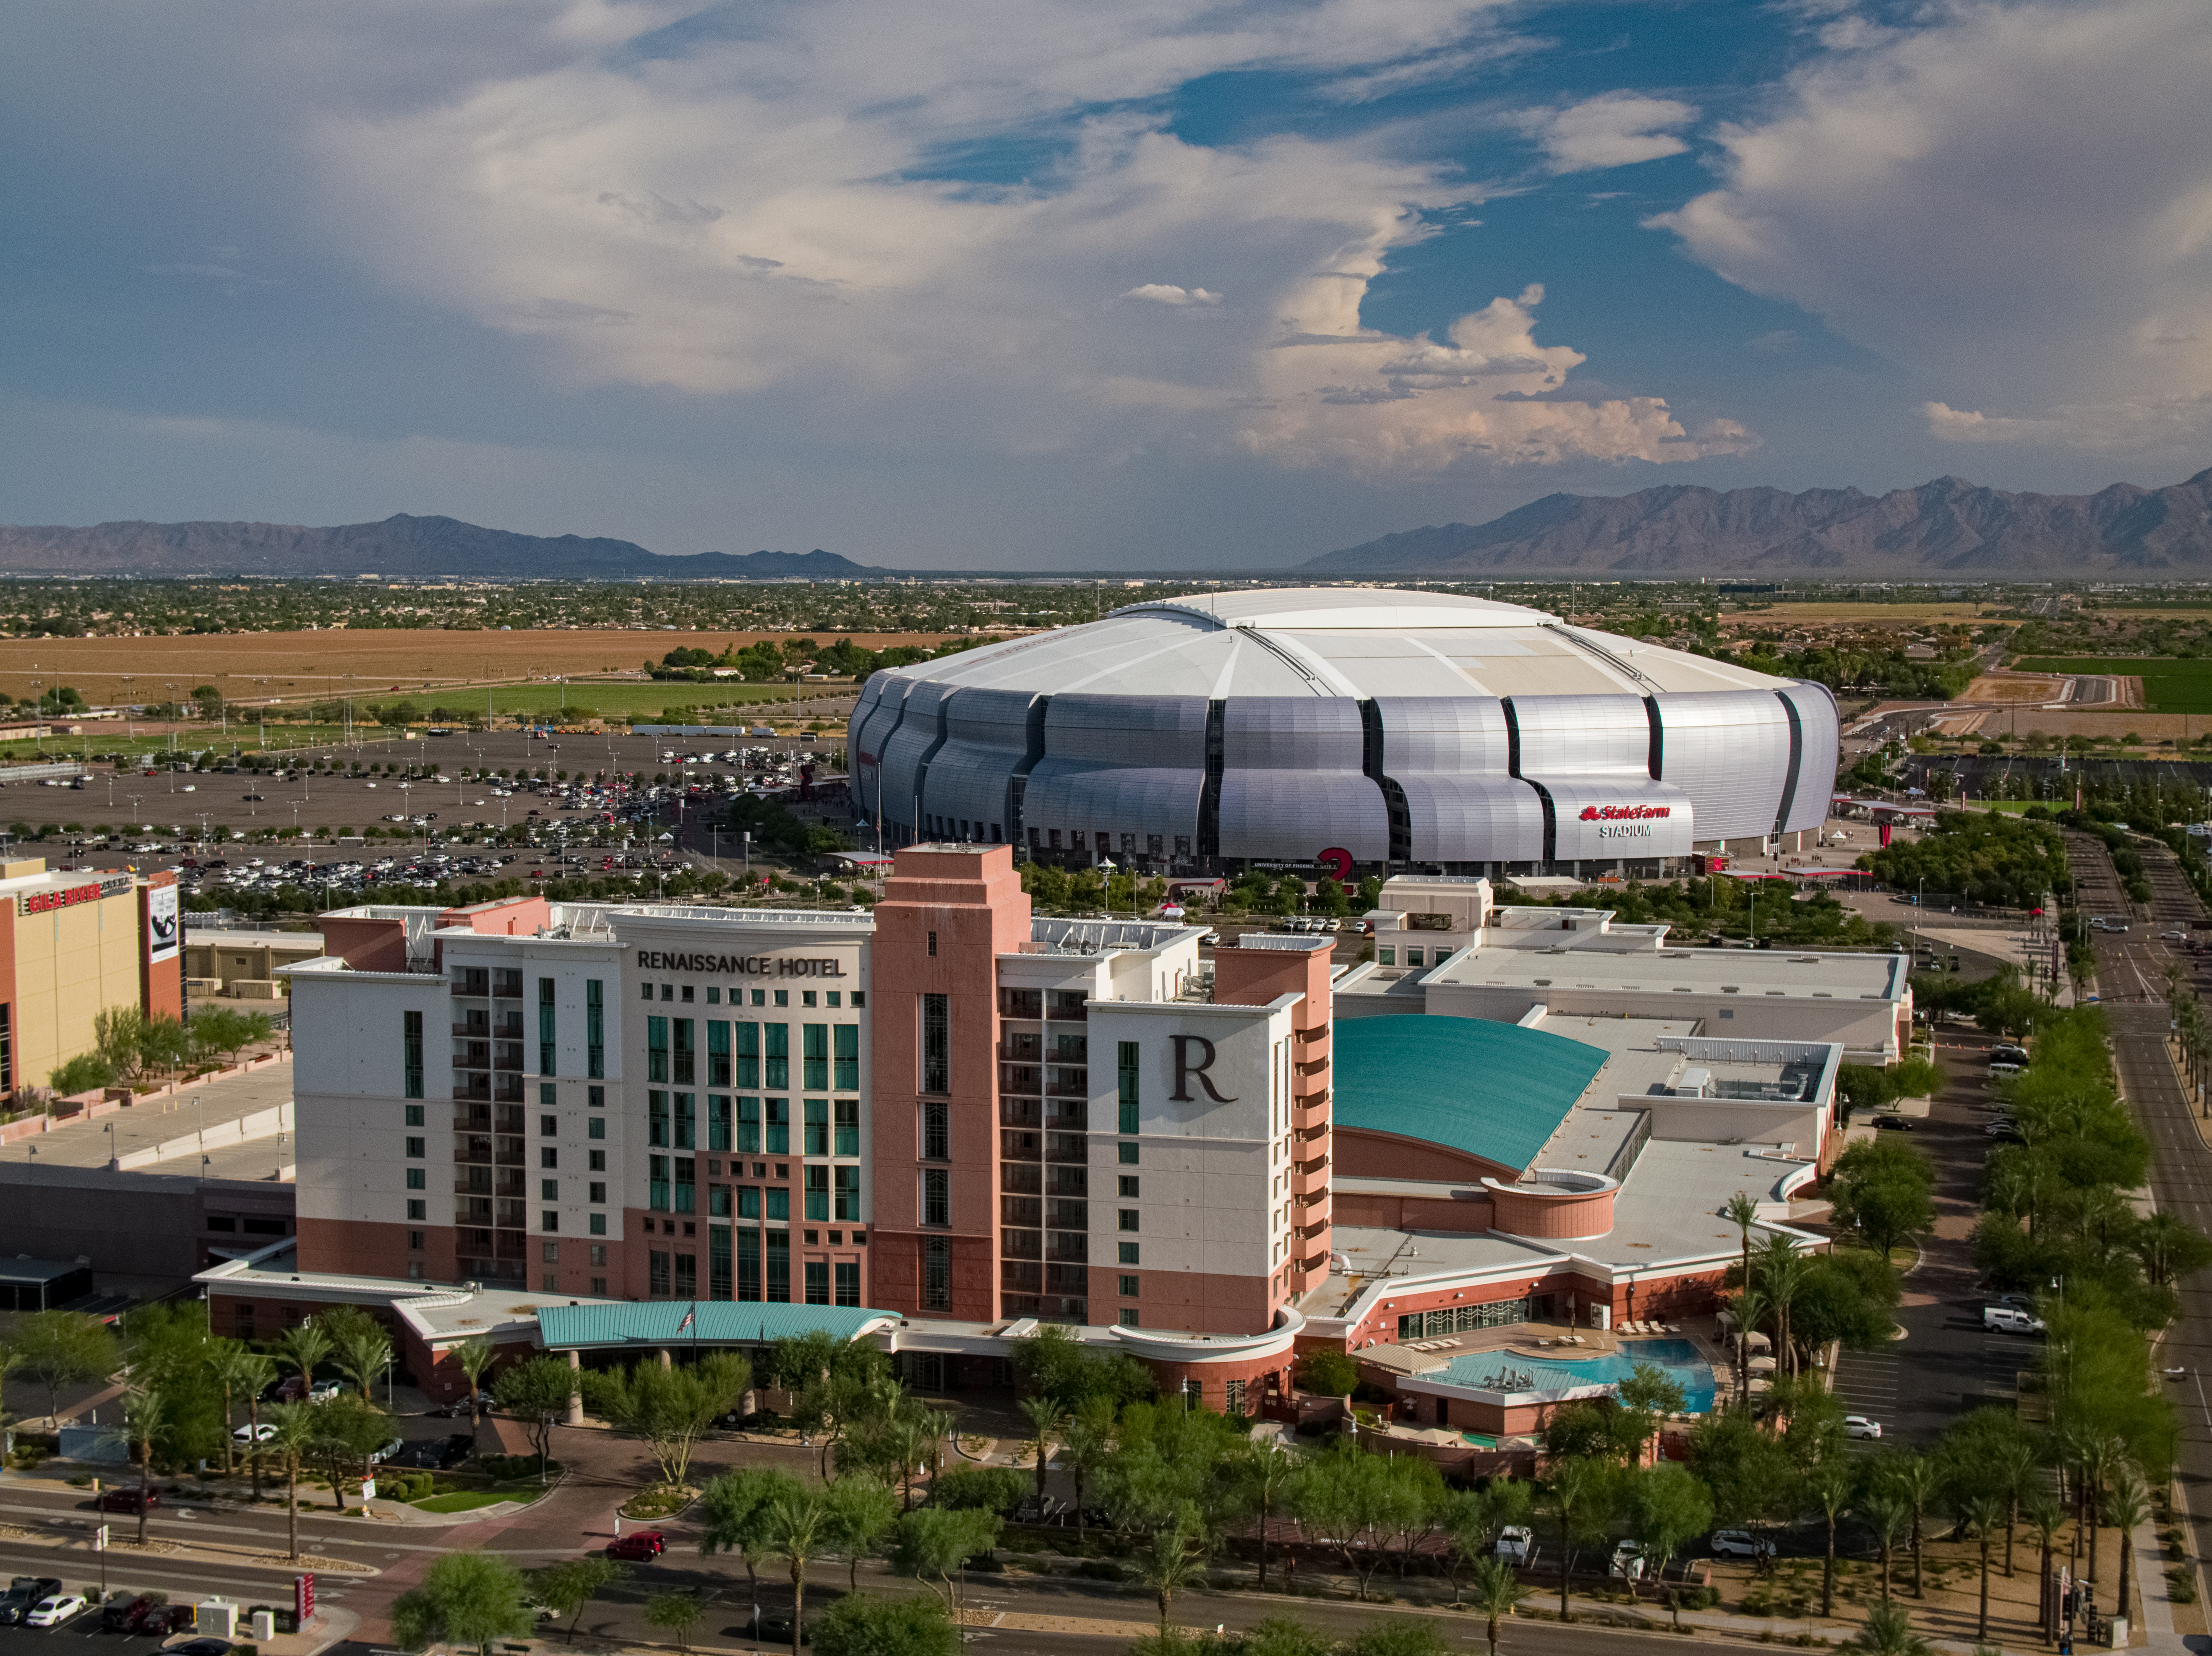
(1495, 1090)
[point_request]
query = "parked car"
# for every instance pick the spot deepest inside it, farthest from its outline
(458, 1447)
(2010, 1319)
(640, 1544)
(163, 1620)
(53, 1609)
(1886, 1122)
(1741, 1543)
(250, 1433)
(122, 1615)
(2004, 1071)
(378, 1456)
(24, 1592)
(1859, 1426)
(128, 1500)
(1516, 1545)
(2007, 1052)
(322, 1391)
(1627, 1563)
(200, 1647)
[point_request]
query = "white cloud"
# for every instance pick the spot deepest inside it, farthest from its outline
(1163, 292)
(1615, 128)
(2013, 202)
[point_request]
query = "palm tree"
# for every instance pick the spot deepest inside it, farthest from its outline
(362, 1355)
(1781, 1272)
(2101, 1455)
(1497, 1590)
(1573, 1481)
(2127, 1506)
(304, 1347)
(2041, 1511)
(799, 1533)
(254, 1373)
(1829, 1486)
(1743, 1213)
(1983, 1513)
(1917, 1483)
(1888, 1632)
(1883, 1511)
(294, 1424)
(141, 1420)
(1752, 1307)
(227, 1363)
(1177, 1560)
(1089, 1440)
(475, 1358)
(2016, 1462)
(1265, 1472)
(1047, 1420)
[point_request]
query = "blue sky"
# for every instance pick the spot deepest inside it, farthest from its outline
(1051, 285)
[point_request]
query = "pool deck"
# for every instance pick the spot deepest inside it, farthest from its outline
(1548, 1341)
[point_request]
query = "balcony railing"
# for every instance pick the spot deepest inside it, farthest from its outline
(1063, 1215)
(1068, 1247)
(512, 1215)
(1021, 1244)
(478, 1090)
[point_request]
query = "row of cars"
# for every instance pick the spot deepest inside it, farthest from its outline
(42, 1601)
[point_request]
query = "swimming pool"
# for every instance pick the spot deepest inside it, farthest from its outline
(1484, 1370)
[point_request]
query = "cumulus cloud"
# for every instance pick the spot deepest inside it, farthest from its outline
(1163, 293)
(2014, 202)
(1616, 129)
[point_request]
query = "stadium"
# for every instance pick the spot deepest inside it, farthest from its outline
(1202, 735)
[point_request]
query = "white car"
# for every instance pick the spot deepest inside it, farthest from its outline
(1741, 1543)
(1516, 1545)
(322, 1391)
(2173, 937)
(1860, 1425)
(252, 1434)
(1627, 1561)
(53, 1611)
(2010, 1319)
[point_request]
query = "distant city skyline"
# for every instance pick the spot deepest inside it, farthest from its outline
(1038, 286)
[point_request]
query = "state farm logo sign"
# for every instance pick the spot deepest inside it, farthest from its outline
(1626, 822)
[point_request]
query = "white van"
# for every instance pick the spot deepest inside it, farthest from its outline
(2010, 1319)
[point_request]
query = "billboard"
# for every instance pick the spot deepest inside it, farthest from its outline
(164, 929)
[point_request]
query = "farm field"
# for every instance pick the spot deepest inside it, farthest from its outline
(254, 666)
(2170, 685)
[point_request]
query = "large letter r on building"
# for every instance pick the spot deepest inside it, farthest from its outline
(1186, 1071)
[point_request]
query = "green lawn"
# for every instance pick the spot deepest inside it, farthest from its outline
(2170, 685)
(467, 1501)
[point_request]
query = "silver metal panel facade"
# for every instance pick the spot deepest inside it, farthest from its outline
(1299, 815)
(874, 716)
(1730, 752)
(1453, 735)
(1473, 819)
(1605, 817)
(1168, 730)
(1067, 797)
(1583, 736)
(898, 761)
(1291, 733)
(986, 736)
(1821, 736)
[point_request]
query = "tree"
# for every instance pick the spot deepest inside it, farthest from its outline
(1497, 1590)
(1328, 1373)
(862, 1513)
(735, 1511)
(668, 1410)
(1917, 1482)
(2043, 1514)
(1667, 1505)
(565, 1588)
(475, 1356)
(1264, 1474)
(1575, 1485)
(1648, 1396)
(680, 1612)
(116, 1035)
(1829, 1488)
(56, 1349)
(1888, 1632)
(798, 1531)
(1089, 1440)
(859, 1625)
(362, 1353)
(537, 1393)
(82, 1074)
(1177, 1559)
(142, 1420)
(932, 1544)
(1983, 1513)
(1884, 1513)
(465, 1599)
(294, 1424)
(2127, 1507)
(304, 1347)
(1047, 1421)
(347, 1432)
(240, 1372)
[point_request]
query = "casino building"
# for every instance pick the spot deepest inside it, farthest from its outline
(71, 946)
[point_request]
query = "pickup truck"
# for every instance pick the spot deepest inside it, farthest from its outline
(2010, 1319)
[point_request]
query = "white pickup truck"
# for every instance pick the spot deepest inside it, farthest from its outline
(2010, 1319)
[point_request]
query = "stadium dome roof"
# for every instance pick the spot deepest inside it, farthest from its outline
(1329, 641)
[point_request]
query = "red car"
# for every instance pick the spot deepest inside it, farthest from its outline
(128, 1500)
(639, 1545)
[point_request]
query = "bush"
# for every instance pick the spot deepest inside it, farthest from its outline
(1328, 1373)
(990, 1488)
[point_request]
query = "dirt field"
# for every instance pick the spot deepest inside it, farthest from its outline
(253, 666)
(2014, 687)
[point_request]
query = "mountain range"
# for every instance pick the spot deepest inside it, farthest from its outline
(1947, 525)
(399, 545)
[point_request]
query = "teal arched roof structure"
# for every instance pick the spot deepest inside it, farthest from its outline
(1492, 1091)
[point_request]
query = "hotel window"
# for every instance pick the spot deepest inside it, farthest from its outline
(548, 1156)
(848, 1126)
(656, 1187)
(1234, 1394)
(817, 1193)
(817, 1126)
(748, 1055)
(1413, 957)
(686, 1060)
(936, 1044)
(1128, 1218)
(1129, 1187)
(848, 1282)
(416, 1148)
(778, 1126)
(748, 1202)
(818, 1282)
(718, 1261)
(596, 1191)
(718, 1200)
(936, 1273)
(686, 1113)
(596, 1097)
(597, 1160)
(548, 1220)
(748, 1124)
(1128, 1286)
(418, 1210)
(656, 1119)
(778, 1055)
(1129, 1154)
(1125, 1076)
(549, 1190)
(779, 1202)
(936, 1196)
(1385, 956)
(848, 1037)
(545, 1041)
(718, 1052)
(779, 1267)
(595, 1126)
(410, 1026)
(936, 1132)
(685, 1190)
(749, 1265)
(656, 1049)
(418, 1178)
(718, 1122)
(414, 1112)
(814, 1048)
(595, 1029)
(656, 1273)
(1128, 1254)
(1127, 1318)
(847, 1181)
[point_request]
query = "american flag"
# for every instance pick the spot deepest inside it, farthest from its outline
(689, 1317)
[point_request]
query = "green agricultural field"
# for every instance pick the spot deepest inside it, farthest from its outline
(2170, 685)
